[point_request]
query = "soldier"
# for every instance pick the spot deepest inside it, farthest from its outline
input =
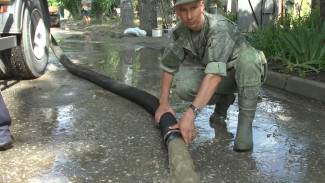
(217, 61)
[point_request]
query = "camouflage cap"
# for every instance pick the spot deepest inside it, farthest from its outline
(179, 2)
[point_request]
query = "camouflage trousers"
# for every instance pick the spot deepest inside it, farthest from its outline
(244, 76)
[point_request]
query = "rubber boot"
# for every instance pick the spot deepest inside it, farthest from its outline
(220, 111)
(5, 138)
(244, 137)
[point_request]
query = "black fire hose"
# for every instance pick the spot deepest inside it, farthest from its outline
(181, 164)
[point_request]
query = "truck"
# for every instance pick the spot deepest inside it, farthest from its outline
(24, 38)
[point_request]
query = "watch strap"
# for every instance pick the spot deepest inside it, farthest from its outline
(195, 109)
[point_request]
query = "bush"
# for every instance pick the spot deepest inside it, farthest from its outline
(306, 48)
(296, 42)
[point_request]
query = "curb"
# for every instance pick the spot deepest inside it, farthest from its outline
(297, 85)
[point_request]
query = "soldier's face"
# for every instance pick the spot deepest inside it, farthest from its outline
(191, 14)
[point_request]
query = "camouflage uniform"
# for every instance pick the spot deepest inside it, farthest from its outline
(222, 50)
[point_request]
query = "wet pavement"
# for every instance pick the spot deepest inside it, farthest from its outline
(66, 129)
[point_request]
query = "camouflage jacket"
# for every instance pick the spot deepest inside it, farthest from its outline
(220, 42)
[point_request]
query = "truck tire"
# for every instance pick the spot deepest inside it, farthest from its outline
(29, 59)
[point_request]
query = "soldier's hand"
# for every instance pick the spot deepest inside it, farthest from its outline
(162, 109)
(186, 126)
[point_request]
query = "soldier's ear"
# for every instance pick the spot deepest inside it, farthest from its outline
(202, 5)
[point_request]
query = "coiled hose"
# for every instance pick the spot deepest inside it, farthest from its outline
(180, 161)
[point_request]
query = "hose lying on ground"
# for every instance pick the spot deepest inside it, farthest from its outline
(180, 161)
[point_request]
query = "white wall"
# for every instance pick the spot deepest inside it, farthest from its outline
(264, 11)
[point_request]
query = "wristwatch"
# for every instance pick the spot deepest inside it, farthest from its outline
(195, 109)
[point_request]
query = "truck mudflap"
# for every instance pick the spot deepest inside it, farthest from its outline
(8, 42)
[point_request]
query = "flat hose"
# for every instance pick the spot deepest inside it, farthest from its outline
(180, 161)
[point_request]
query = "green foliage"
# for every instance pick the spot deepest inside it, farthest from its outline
(54, 2)
(168, 6)
(98, 7)
(231, 16)
(267, 40)
(306, 46)
(297, 42)
(307, 18)
(73, 6)
(219, 3)
(285, 20)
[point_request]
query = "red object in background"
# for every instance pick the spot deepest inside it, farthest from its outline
(53, 9)
(54, 16)
(3, 9)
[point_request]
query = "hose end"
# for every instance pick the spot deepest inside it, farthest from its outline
(172, 134)
(166, 121)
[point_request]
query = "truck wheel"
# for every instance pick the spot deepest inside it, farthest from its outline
(29, 59)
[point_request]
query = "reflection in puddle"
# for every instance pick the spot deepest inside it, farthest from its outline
(205, 132)
(273, 144)
(64, 120)
(273, 152)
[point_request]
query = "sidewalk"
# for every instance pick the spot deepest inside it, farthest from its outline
(297, 85)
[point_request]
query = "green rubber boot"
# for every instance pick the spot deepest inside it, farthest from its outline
(244, 137)
(220, 111)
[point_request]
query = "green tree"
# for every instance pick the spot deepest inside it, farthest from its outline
(73, 6)
(53, 2)
(99, 7)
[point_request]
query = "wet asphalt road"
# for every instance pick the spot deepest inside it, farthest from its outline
(66, 129)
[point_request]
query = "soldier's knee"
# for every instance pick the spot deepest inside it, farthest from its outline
(249, 68)
(248, 60)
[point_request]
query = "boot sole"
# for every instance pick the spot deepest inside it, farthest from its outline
(5, 146)
(243, 148)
